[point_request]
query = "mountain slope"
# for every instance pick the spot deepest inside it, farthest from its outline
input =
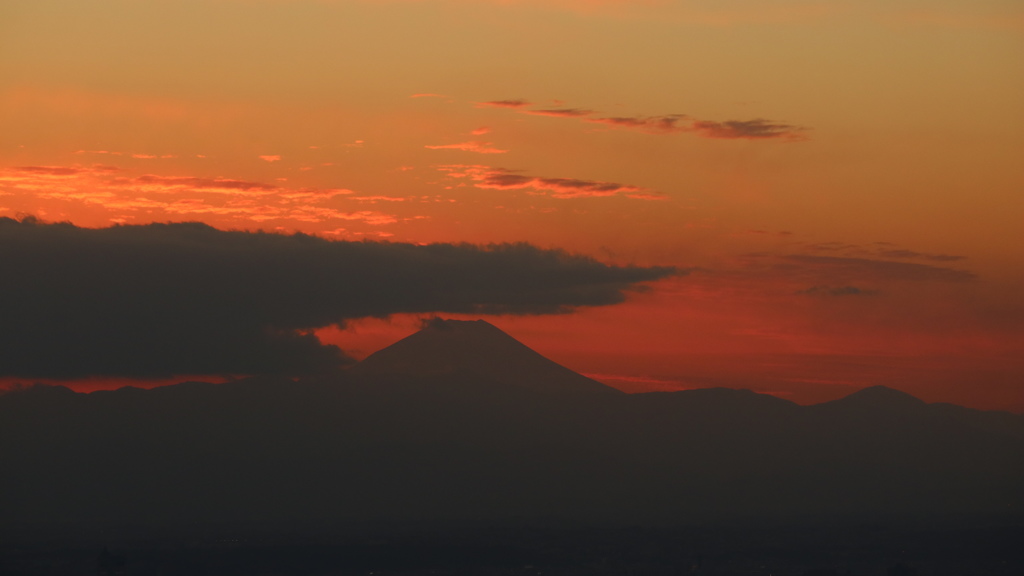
(446, 348)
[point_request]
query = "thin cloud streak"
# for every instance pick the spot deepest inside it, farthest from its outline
(472, 146)
(883, 269)
(514, 103)
(756, 129)
(173, 184)
(560, 112)
(488, 177)
(651, 124)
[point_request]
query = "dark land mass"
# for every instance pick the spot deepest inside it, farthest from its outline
(863, 550)
(461, 451)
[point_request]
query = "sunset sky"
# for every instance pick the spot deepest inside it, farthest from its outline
(839, 183)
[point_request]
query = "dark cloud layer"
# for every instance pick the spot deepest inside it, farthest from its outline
(164, 299)
(504, 179)
(758, 129)
(511, 103)
(658, 124)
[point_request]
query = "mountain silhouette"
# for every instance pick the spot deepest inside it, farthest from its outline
(877, 398)
(881, 395)
(458, 348)
(461, 423)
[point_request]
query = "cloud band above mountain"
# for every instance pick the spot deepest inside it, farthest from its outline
(165, 299)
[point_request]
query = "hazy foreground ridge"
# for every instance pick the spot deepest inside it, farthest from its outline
(462, 423)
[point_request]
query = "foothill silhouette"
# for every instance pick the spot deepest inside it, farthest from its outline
(461, 425)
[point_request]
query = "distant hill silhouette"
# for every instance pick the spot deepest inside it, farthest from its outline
(460, 422)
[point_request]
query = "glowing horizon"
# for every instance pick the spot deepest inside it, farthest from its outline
(841, 181)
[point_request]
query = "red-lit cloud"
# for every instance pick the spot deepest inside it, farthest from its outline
(311, 194)
(45, 171)
(375, 199)
(112, 153)
(136, 155)
(175, 184)
(471, 146)
(176, 197)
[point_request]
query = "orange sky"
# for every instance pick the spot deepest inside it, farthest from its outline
(842, 180)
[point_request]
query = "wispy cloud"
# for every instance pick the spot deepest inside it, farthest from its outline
(136, 155)
(183, 196)
(881, 250)
(51, 171)
(375, 199)
(111, 152)
(311, 194)
(836, 291)
(880, 269)
(560, 112)
(515, 103)
(899, 253)
(756, 129)
(471, 146)
(176, 184)
(652, 124)
(488, 177)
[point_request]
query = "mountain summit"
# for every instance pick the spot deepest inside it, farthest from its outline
(876, 399)
(883, 395)
(478, 349)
